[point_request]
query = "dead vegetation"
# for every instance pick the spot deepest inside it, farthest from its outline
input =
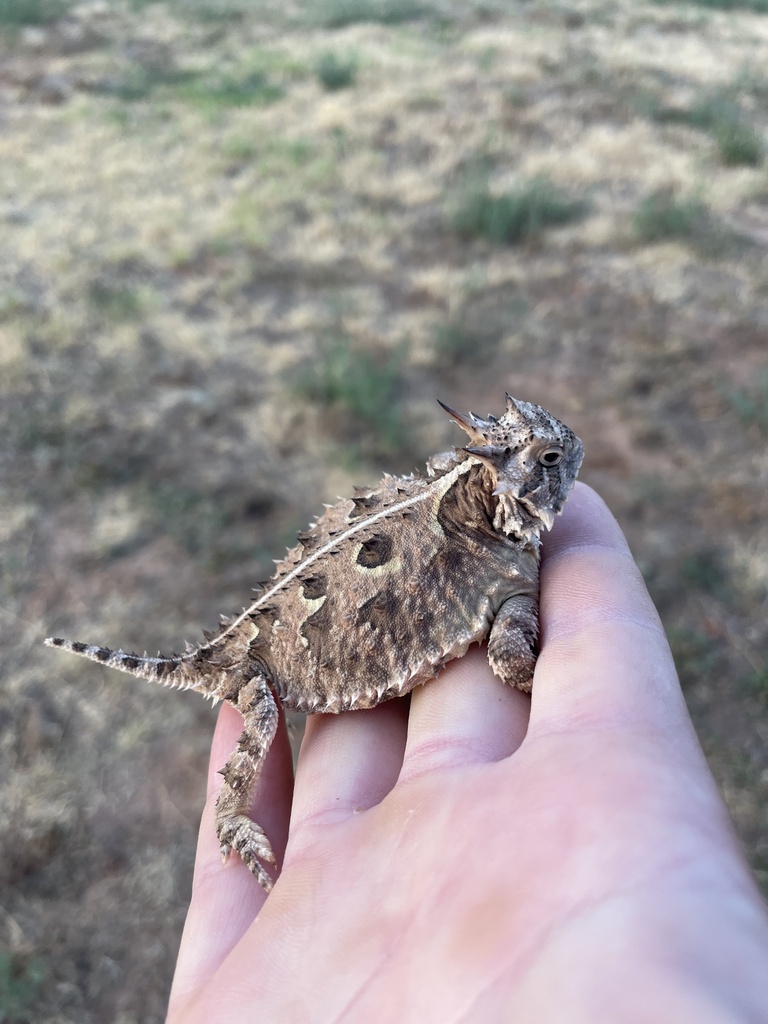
(233, 283)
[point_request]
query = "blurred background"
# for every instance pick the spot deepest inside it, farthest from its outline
(244, 246)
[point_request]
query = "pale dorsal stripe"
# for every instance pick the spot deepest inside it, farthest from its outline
(438, 488)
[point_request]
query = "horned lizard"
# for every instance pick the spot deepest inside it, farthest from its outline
(379, 594)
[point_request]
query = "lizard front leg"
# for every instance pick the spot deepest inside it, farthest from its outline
(234, 828)
(512, 642)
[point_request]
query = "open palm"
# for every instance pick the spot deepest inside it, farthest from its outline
(473, 855)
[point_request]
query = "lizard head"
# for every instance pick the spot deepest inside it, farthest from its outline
(533, 458)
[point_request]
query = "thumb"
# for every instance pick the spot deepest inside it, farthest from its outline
(604, 656)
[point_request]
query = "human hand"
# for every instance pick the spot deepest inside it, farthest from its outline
(481, 856)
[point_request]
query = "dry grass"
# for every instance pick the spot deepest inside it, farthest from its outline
(190, 220)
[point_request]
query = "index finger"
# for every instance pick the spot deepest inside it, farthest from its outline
(604, 656)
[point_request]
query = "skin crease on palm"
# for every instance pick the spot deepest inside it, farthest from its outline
(476, 855)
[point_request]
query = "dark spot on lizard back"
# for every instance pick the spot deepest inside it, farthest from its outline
(314, 587)
(375, 551)
(364, 505)
(380, 610)
(316, 630)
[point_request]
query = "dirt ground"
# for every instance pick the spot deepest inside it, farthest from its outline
(243, 249)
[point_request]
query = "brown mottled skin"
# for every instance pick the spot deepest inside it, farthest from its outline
(380, 593)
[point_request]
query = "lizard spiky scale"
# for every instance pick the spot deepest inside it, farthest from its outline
(379, 593)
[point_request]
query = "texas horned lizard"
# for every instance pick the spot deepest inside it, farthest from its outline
(379, 594)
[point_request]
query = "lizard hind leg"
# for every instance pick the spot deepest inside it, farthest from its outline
(235, 828)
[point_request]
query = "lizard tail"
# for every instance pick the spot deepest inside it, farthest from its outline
(178, 671)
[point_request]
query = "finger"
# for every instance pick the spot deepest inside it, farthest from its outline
(466, 715)
(348, 762)
(226, 898)
(604, 656)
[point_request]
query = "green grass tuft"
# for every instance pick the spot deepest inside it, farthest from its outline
(697, 655)
(751, 405)
(253, 89)
(335, 72)
(473, 334)
(704, 570)
(758, 6)
(340, 13)
(206, 11)
(362, 389)
(738, 144)
(755, 684)
(197, 521)
(140, 83)
(455, 344)
(20, 982)
(661, 216)
(514, 216)
(711, 109)
(18, 13)
(718, 113)
(118, 302)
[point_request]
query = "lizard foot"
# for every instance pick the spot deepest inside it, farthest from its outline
(246, 838)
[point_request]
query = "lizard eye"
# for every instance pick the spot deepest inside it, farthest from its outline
(551, 457)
